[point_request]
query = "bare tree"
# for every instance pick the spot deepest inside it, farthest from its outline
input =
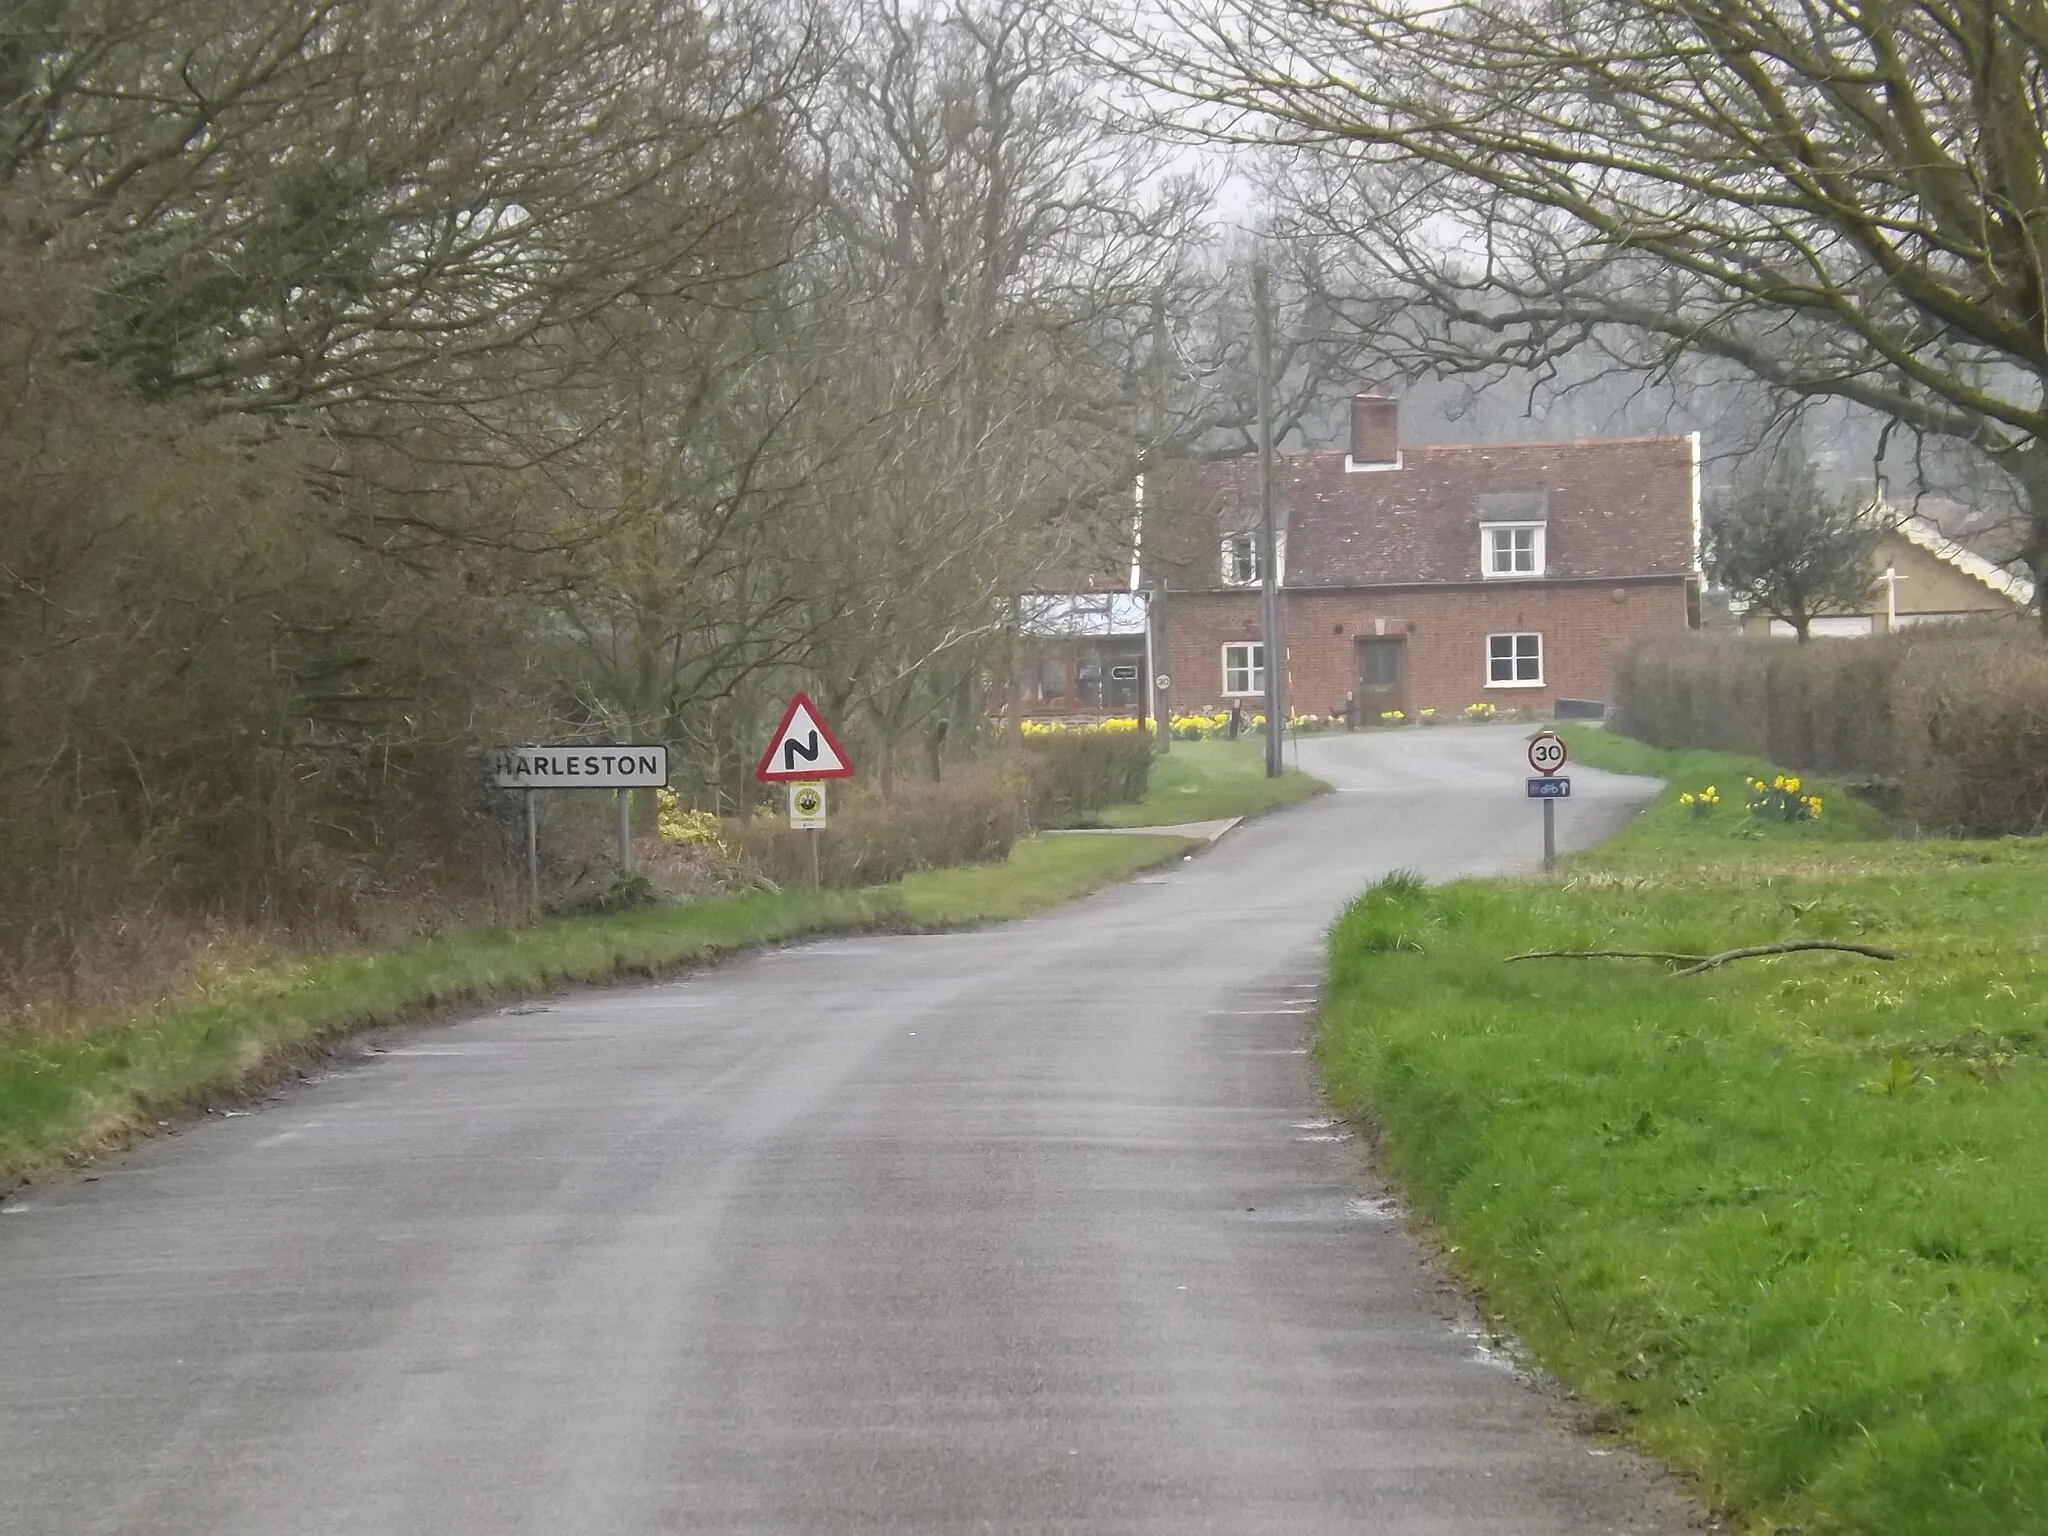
(1841, 201)
(1012, 260)
(298, 204)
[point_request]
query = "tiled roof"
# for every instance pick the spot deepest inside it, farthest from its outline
(1611, 508)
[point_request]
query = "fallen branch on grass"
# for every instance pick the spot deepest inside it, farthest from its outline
(1608, 954)
(1790, 946)
(1692, 965)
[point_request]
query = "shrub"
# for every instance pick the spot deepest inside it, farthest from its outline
(1973, 751)
(972, 818)
(1069, 775)
(607, 897)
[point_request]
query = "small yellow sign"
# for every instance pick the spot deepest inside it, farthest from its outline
(807, 805)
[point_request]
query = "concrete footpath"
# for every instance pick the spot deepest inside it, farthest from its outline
(1035, 1229)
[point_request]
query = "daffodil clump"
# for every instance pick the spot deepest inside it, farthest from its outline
(1200, 727)
(1781, 798)
(1483, 710)
(689, 829)
(1427, 717)
(1393, 717)
(1118, 724)
(1208, 725)
(1701, 802)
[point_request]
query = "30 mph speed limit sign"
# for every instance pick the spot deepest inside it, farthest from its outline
(1547, 753)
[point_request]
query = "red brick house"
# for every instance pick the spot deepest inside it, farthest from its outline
(1417, 577)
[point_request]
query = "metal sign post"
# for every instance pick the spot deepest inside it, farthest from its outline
(532, 853)
(803, 753)
(807, 813)
(616, 766)
(1547, 754)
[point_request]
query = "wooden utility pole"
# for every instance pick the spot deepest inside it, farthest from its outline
(1269, 567)
(1013, 720)
(1155, 485)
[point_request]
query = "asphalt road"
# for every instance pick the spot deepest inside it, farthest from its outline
(1037, 1229)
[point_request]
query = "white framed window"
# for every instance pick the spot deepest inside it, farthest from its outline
(1514, 661)
(1241, 560)
(1511, 549)
(1244, 667)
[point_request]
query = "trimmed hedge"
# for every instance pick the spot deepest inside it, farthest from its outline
(1061, 779)
(969, 819)
(1948, 730)
(1070, 775)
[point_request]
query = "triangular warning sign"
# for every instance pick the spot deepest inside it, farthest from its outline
(803, 747)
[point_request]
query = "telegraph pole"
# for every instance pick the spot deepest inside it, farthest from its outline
(1269, 568)
(1157, 651)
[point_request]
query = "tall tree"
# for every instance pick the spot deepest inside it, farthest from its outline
(980, 416)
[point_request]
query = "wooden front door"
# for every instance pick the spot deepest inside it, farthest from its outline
(1382, 676)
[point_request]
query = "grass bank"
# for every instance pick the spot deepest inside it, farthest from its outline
(68, 1094)
(1668, 830)
(1781, 1223)
(1211, 780)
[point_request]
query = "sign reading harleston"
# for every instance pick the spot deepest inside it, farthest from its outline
(615, 767)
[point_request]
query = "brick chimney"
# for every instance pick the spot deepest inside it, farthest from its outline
(1375, 427)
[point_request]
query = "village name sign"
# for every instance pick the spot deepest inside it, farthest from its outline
(618, 767)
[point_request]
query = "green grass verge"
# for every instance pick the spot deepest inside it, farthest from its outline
(1041, 872)
(1667, 830)
(1782, 1223)
(66, 1095)
(1211, 780)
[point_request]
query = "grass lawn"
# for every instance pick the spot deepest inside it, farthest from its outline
(1209, 780)
(65, 1095)
(1784, 1223)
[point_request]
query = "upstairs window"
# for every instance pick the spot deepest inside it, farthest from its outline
(1511, 549)
(1241, 560)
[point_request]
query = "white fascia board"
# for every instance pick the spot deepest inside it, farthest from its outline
(1699, 531)
(1925, 534)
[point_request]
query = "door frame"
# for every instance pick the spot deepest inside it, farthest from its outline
(1369, 711)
